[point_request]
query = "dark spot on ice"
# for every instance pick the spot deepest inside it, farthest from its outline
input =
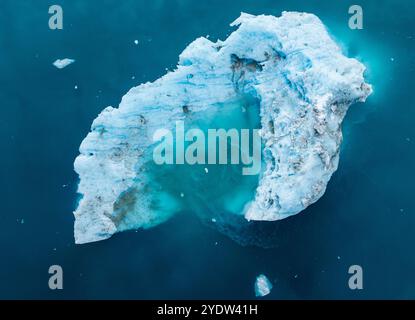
(186, 109)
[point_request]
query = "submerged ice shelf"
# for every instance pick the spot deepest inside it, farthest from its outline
(285, 76)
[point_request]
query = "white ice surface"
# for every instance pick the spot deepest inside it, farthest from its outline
(60, 64)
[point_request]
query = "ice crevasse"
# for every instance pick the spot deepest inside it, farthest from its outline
(297, 85)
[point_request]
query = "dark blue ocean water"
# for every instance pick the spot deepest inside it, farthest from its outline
(367, 216)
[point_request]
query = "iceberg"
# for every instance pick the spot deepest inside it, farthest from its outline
(263, 286)
(282, 75)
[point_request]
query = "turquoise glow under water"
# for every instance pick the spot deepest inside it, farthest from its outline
(366, 216)
(208, 190)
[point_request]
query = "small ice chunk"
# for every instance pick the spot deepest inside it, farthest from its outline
(263, 286)
(182, 195)
(136, 42)
(213, 220)
(60, 64)
(206, 170)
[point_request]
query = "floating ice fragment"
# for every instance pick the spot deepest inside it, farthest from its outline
(60, 64)
(263, 286)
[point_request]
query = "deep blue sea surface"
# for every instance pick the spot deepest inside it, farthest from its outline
(367, 216)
